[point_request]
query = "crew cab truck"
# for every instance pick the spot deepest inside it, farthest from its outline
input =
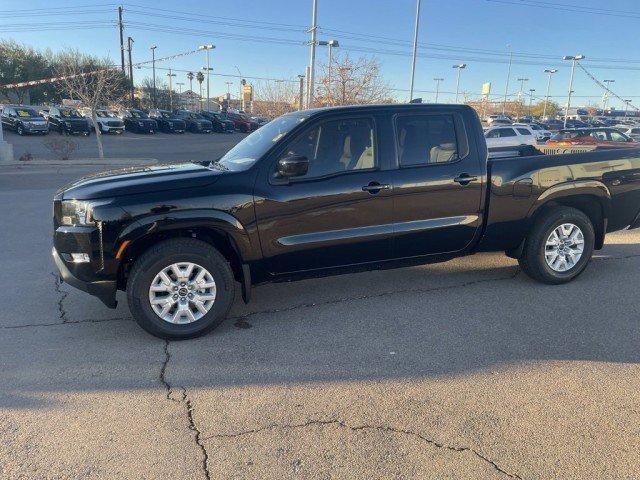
(332, 190)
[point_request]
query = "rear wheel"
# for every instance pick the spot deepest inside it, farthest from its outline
(180, 289)
(20, 130)
(559, 246)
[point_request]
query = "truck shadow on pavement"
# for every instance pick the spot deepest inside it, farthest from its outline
(444, 319)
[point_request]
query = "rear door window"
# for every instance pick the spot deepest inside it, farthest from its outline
(523, 131)
(506, 132)
(426, 139)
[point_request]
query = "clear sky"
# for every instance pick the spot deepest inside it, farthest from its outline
(266, 38)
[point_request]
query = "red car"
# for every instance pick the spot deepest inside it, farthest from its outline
(240, 122)
(597, 137)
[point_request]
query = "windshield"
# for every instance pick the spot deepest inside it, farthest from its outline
(26, 112)
(249, 150)
(70, 113)
(138, 114)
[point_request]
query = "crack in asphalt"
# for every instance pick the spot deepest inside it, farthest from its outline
(68, 322)
(63, 296)
(367, 296)
(186, 401)
(381, 428)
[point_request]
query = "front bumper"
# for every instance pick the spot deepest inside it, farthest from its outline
(105, 290)
(37, 128)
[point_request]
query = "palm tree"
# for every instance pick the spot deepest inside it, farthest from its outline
(190, 78)
(200, 79)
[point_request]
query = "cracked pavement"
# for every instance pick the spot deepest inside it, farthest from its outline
(465, 369)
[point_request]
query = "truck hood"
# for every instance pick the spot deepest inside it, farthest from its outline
(142, 179)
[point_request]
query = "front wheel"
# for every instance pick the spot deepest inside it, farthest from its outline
(180, 289)
(559, 246)
(20, 130)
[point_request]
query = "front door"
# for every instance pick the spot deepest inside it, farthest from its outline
(340, 212)
(438, 185)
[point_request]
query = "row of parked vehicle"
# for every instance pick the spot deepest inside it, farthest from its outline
(26, 120)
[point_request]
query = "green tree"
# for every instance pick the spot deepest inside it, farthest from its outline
(537, 109)
(19, 63)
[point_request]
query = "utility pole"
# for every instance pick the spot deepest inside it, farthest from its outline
(506, 87)
(522, 80)
(438, 80)
(459, 67)
(550, 71)
(312, 60)
(170, 75)
(133, 99)
(301, 98)
(207, 48)
(121, 29)
(606, 94)
(415, 49)
(153, 63)
(574, 59)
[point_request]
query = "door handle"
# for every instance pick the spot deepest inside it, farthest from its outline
(465, 179)
(375, 187)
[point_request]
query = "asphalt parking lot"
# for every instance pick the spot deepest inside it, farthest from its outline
(465, 369)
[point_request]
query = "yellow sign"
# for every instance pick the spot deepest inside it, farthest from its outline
(486, 88)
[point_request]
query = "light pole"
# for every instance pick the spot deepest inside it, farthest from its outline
(626, 107)
(550, 71)
(506, 86)
(301, 99)
(574, 59)
(330, 44)
(438, 80)
(180, 84)
(531, 90)
(521, 80)
(606, 94)
(228, 90)
(130, 46)
(415, 49)
(312, 53)
(170, 75)
(207, 48)
(459, 67)
(153, 67)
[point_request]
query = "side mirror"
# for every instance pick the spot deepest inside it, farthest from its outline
(293, 166)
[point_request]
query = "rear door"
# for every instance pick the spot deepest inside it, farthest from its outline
(438, 185)
(340, 212)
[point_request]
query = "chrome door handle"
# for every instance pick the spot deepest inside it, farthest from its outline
(375, 187)
(465, 179)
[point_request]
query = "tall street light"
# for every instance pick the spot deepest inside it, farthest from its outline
(153, 66)
(415, 49)
(170, 75)
(506, 86)
(330, 44)
(312, 54)
(549, 71)
(606, 94)
(438, 80)
(531, 90)
(459, 67)
(521, 80)
(574, 59)
(207, 48)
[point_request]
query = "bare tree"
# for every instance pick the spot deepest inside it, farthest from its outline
(275, 98)
(352, 82)
(94, 82)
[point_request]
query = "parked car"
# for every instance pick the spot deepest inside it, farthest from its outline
(23, 120)
(108, 122)
(240, 122)
(309, 194)
(195, 122)
(68, 121)
(597, 137)
(573, 123)
(509, 136)
(498, 120)
(260, 121)
(553, 125)
(167, 121)
(541, 133)
(138, 121)
(633, 132)
(219, 124)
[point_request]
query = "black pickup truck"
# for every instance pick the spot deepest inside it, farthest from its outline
(332, 190)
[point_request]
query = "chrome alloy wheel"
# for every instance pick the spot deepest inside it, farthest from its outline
(564, 247)
(182, 293)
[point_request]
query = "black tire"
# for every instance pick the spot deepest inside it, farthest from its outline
(533, 261)
(20, 130)
(166, 253)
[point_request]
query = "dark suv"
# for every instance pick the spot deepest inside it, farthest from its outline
(167, 121)
(68, 121)
(220, 124)
(24, 120)
(138, 121)
(196, 123)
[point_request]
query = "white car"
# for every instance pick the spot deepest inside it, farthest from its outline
(498, 120)
(107, 121)
(509, 136)
(542, 134)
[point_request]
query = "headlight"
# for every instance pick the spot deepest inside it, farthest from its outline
(75, 212)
